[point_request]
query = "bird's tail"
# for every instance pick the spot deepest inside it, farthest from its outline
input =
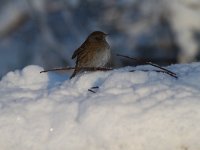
(74, 73)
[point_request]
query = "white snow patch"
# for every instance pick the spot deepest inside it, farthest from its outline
(130, 110)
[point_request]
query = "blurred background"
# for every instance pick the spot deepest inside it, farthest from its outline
(46, 32)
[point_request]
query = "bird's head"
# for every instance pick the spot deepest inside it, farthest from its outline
(97, 36)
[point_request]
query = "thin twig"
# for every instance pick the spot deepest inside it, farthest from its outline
(57, 69)
(82, 68)
(152, 64)
(92, 89)
(148, 63)
(150, 70)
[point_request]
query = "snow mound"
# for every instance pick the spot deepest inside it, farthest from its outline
(29, 77)
(130, 110)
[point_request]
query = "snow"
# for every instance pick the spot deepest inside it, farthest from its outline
(130, 110)
(185, 28)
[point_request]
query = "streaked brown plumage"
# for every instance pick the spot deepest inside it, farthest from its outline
(94, 52)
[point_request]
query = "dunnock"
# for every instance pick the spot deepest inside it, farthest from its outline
(94, 52)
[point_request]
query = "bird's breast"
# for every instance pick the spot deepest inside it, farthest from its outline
(102, 57)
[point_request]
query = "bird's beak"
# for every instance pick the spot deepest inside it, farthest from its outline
(106, 34)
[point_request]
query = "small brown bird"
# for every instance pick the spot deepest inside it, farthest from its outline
(94, 52)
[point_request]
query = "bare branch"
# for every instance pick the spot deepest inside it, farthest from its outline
(92, 89)
(81, 68)
(152, 64)
(57, 69)
(161, 71)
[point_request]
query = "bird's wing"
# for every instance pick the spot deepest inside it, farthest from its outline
(79, 50)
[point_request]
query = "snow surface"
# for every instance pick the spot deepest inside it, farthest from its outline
(130, 111)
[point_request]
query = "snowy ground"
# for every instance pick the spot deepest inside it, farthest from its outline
(130, 111)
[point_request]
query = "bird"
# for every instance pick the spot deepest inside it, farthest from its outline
(94, 52)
